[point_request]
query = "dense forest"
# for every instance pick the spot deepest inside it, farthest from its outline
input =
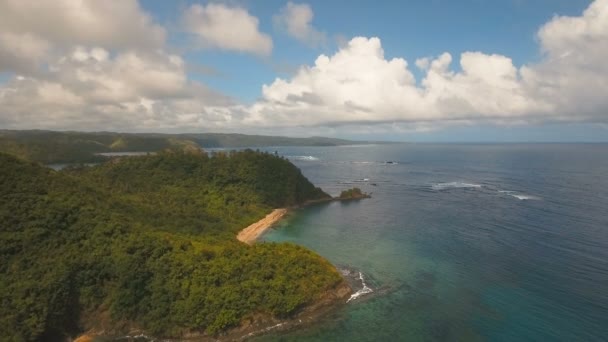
(69, 147)
(353, 193)
(149, 242)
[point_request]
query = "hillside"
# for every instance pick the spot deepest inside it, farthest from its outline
(149, 243)
(82, 147)
(69, 147)
(244, 140)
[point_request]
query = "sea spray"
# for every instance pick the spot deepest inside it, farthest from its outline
(455, 185)
(305, 158)
(361, 292)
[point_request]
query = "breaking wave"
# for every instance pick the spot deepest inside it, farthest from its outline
(363, 291)
(367, 162)
(310, 158)
(455, 185)
(519, 196)
(525, 197)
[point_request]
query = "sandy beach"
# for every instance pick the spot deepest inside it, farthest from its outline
(251, 233)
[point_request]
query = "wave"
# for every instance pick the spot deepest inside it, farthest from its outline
(519, 196)
(522, 197)
(363, 291)
(455, 185)
(310, 158)
(367, 162)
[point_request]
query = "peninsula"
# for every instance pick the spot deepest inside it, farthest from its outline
(145, 245)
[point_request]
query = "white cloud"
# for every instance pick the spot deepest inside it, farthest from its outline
(33, 31)
(21, 52)
(96, 65)
(109, 68)
(296, 20)
(133, 90)
(114, 24)
(228, 28)
(574, 72)
(359, 85)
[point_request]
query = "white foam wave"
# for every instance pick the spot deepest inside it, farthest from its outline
(455, 185)
(523, 197)
(302, 158)
(363, 291)
(363, 162)
(519, 196)
(267, 329)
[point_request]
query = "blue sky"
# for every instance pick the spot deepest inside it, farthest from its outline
(408, 29)
(470, 70)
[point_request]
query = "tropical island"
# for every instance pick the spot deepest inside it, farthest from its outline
(147, 245)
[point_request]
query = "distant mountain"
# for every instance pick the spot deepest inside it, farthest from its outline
(244, 140)
(81, 147)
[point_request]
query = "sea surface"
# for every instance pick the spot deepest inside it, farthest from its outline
(461, 242)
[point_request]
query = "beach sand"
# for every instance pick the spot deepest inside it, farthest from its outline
(251, 233)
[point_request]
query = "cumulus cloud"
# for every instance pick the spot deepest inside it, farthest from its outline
(22, 52)
(296, 21)
(97, 65)
(91, 88)
(112, 24)
(574, 72)
(88, 65)
(359, 85)
(228, 28)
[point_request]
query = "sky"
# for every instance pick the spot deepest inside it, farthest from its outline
(429, 71)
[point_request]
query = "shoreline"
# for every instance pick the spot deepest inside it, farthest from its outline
(250, 234)
(261, 324)
(253, 326)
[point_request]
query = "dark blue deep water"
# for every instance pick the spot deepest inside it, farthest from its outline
(461, 242)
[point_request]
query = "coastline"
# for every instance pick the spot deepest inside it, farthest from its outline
(250, 234)
(255, 325)
(262, 323)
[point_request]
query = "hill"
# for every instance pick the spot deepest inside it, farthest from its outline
(244, 140)
(83, 147)
(149, 243)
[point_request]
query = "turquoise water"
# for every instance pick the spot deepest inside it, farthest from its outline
(461, 242)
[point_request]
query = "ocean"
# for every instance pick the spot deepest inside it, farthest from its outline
(460, 242)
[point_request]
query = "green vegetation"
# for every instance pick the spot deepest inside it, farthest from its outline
(353, 193)
(77, 147)
(149, 242)
(243, 140)
(50, 147)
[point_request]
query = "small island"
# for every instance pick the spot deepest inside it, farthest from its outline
(353, 194)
